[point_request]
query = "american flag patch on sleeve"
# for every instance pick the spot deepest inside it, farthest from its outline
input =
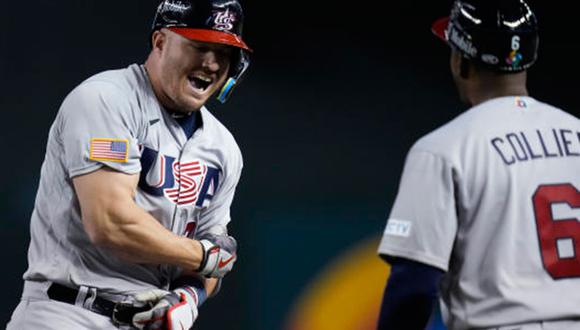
(112, 150)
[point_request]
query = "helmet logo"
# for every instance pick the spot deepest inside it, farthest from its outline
(172, 10)
(461, 42)
(224, 20)
(514, 58)
(175, 6)
(489, 59)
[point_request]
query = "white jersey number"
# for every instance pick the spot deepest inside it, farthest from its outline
(559, 238)
(516, 43)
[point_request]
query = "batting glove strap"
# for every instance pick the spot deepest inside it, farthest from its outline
(193, 295)
(177, 310)
(216, 262)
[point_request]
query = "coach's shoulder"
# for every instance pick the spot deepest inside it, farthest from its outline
(450, 138)
(441, 138)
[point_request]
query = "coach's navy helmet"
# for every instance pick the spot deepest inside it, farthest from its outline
(500, 35)
(216, 21)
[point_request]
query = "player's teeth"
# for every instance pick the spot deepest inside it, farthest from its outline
(198, 83)
(206, 79)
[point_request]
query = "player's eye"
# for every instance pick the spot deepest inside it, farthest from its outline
(202, 49)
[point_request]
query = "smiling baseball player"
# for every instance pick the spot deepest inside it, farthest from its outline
(488, 209)
(129, 228)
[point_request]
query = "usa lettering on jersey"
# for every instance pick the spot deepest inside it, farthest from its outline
(188, 183)
(189, 177)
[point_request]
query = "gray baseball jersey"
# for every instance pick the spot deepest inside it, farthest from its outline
(113, 119)
(492, 198)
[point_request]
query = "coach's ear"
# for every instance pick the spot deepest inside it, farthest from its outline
(464, 68)
(459, 65)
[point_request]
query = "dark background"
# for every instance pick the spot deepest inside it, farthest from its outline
(336, 94)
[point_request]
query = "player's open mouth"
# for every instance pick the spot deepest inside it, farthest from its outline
(199, 83)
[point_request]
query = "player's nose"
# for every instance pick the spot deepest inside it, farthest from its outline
(211, 61)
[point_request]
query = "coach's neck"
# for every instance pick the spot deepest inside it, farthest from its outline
(486, 85)
(476, 84)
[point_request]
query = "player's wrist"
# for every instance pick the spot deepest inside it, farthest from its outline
(192, 255)
(198, 252)
(216, 262)
(194, 295)
(210, 255)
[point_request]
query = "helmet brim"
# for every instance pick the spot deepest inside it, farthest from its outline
(213, 36)
(439, 28)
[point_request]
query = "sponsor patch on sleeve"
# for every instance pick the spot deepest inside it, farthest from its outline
(400, 228)
(110, 150)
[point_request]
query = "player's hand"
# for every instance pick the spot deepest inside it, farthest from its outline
(176, 310)
(217, 260)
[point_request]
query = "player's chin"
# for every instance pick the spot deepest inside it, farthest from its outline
(190, 104)
(193, 101)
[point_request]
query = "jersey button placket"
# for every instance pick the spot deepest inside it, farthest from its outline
(183, 216)
(182, 213)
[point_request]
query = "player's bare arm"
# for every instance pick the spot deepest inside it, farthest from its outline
(113, 220)
(133, 206)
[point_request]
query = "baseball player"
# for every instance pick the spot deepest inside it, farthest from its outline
(487, 212)
(129, 228)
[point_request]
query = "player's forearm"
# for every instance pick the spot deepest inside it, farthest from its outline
(135, 236)
(210, 285)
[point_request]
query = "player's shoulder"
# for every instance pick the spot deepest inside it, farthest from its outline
(119, 81)
(119, 86)
(109, 94)
(221, 135)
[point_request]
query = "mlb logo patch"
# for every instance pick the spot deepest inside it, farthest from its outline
(110, 150)
(521, 103)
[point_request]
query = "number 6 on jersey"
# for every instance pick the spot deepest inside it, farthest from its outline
(559, 238)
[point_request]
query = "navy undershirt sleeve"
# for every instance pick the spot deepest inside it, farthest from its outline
(410, 295)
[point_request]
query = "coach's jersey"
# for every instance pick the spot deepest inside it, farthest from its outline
(113, 119)
(493, 199)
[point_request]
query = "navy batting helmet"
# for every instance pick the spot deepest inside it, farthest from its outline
(216, 21)
(501, 35)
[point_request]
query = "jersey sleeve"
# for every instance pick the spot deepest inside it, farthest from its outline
(423, 222)
(215, 218)
(99, 128)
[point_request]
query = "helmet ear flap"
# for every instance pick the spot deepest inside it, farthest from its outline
(227, 90)
(239, 64)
